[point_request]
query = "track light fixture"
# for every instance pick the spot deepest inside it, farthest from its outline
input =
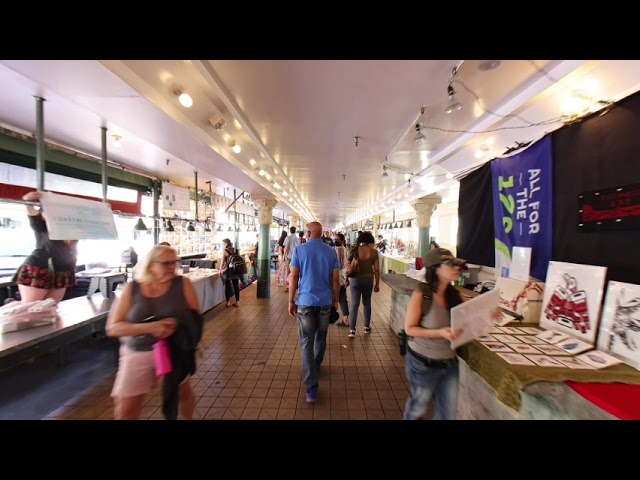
(184, 98)
(454, 105)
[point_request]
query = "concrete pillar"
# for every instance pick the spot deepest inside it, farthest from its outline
(424, 208)
(265, 217)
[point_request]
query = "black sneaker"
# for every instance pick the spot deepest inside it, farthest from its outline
(367, 329)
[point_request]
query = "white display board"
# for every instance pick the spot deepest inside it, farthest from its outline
(520, 268)
(572, 298)
(619, 334)
(175, 197)
(71, 218)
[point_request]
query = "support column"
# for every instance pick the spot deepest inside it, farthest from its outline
(265, 217)
(295, 221)
(424, 208)
(105, 180)
(156, 205)
(40, 147)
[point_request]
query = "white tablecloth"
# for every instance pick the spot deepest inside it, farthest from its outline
(209, 287)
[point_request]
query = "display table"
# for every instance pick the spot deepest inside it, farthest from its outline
(397, 264)
(209, 287)
(491, 388)
(77, 318)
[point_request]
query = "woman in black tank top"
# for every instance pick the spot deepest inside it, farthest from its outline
(158, 304)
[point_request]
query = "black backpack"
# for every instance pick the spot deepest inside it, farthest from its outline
(237, 264)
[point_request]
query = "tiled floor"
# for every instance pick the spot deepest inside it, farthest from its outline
(250, 369)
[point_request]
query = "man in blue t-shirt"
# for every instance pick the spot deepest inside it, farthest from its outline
(315, 275)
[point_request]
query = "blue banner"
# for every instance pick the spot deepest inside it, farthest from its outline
(522, 206)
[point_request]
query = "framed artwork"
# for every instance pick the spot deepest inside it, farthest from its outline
(619, 334)
(519, 299)
(572, 298)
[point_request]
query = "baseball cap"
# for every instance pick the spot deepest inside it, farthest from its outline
(442, 255)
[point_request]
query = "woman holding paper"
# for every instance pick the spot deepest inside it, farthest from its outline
(431, 363)
(51, 267)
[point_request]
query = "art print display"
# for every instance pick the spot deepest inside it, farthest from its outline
(545, 361)
(496, 347)
(523, 348)
(620, 325)
(506, 338)
(552, 336)
(598, 359)
(530, 330)
(574, 346)
(531, 340)
(520, 300)
(572, 298)
(573, 362)
(551, 350)
(515, 359)
(511, 331)
(486, 338)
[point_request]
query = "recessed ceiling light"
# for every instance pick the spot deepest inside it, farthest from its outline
(486, 65)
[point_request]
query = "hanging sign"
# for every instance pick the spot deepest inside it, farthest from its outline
(616, 208)
(175, 197)
(71, 218)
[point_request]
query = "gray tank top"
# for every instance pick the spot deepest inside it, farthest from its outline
(171, 304)
(434, 348)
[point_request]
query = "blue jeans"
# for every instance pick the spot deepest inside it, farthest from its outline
(360, 286)
(439, 379)
(313, 325)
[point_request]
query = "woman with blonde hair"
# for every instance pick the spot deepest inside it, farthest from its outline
(157, 304)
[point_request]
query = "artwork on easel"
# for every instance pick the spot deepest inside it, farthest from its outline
(572, 298)
(620, 325)
(520, 300)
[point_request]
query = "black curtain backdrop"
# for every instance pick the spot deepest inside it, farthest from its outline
(475, 217)
(599, 152)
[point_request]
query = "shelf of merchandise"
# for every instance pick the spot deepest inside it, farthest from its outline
(189, 243)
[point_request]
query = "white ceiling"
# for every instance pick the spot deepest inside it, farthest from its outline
(297, 120)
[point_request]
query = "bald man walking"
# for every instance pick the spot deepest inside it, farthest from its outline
(315, 272)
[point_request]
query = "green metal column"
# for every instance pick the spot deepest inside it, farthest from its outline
(423, 241)
(265, 217)
(105, 180)
(40, 147)
(156, 206)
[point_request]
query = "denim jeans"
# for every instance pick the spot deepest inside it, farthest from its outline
(360, 286)
(313, 325)
(439, 380)
(344, 304)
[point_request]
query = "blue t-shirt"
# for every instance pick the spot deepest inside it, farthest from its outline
(316, 262)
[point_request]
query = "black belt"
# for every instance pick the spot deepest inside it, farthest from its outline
(430, 362)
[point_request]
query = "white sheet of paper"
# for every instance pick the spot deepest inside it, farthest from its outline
(520, 267)
(474, 317)
(531, 340)
(551, 350)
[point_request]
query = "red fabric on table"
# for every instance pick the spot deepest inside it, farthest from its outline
(618, 399)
